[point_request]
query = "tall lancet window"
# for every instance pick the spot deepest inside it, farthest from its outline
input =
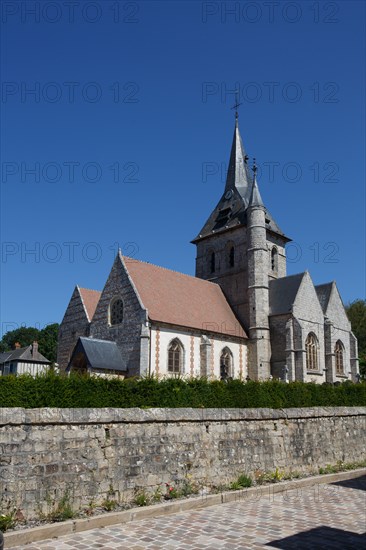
(231, 256)
(274, 259)
(226, 364)
(311, 348)
(175, 357)
(116, 311)
(338, 351)
(212, 262)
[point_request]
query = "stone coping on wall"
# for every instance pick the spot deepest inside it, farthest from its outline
(55, 416)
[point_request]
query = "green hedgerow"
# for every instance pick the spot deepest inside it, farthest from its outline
(81, 391)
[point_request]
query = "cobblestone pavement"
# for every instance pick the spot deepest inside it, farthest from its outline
(314, 518)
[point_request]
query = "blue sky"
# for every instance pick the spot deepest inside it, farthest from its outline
(125, 138)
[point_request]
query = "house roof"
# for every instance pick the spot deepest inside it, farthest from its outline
(323, 291)
(24, 354)
(90, 299)
(100, 354)
(4, 356)
(183, 300)
(282, 293)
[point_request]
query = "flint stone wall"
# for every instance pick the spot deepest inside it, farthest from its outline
(93, 454)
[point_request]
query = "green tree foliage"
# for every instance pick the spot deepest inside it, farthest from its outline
(48, 341)
(356, 312)
(23, 335)
(46, 338)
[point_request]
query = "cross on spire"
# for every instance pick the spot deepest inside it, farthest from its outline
(237, 104)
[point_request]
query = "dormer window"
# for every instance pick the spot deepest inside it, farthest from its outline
(222, 218)
(223, 214)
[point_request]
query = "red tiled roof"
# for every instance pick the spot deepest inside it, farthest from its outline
(90, 299)
(178, 299)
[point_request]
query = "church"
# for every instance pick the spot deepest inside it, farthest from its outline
(241, 316)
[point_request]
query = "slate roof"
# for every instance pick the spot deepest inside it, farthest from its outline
(238, 174)
(4, 356)
(90, 300)
(230, 211)
(100, 354)
(23, 354)
(255, 197)
(178, 299)
(282, 293)
(323, 291)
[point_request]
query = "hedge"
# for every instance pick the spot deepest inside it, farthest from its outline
(75, 391)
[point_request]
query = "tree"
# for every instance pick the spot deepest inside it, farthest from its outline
(23, 335)
(356, 312)
(48, 341)
(46, 338)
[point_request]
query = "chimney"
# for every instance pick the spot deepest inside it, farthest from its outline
(16, 345)
(35, 348)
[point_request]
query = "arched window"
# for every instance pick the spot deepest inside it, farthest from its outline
(226, 364)
(175, 357)
(338, 351)
(116, 311)
(212, 262)
(311, 348)
(274, 259)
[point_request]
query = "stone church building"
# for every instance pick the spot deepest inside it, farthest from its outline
(241, 316)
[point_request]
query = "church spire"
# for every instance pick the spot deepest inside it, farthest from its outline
(238, 175)
(255, 196)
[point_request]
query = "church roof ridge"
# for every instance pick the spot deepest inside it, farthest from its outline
(89, 289)
(326, 284)
(169, 269)
(283, 292)
(94, 339)
(290, 276)
(183, 300)
(89, 299)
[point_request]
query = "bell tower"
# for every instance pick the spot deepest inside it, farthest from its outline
(258, 286)
(225, 244)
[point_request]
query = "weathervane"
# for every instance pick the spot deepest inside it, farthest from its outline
(237, 104)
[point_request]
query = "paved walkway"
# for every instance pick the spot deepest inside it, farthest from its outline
(315, 518)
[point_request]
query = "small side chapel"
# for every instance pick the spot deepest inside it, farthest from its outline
(241, 316)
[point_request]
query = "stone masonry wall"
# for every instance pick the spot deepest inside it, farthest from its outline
(92, 454)
(74, 324)
(127, 335)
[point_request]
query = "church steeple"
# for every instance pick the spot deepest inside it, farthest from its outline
(231, 208)
(238, 175)
(258, 284)
(255, 196)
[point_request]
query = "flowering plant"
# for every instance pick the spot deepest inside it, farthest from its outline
(171, 491)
